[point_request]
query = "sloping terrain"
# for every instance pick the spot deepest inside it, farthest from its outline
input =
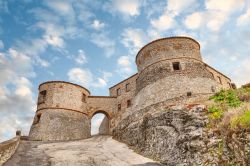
(96, 151)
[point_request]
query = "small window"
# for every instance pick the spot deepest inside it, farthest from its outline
(118, 91)
(119, 107)
(176, 66)
(42, 97)
(127, 87)
(229, 84)
(128, 103)
(189, 94)
(219, 79)
(83, 97)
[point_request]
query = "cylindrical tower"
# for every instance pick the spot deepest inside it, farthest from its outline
(171, 68)
(61, 112)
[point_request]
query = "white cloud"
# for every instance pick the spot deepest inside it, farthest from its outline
(103, 41)
(241, 73)
(194, 21)
(227, 6)
(128, 8)
(134, 39)
(124, 66)
(97, 25)
(1, 44)
(62, 7)
(175, 7)
(80, 76)
(244, 19)
(164, 22)
(85, 78)
(81, 57)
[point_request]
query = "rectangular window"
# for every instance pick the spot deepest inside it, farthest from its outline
(83, 97)
(119, 107)
(219, 79)
(176, 66)
(118, 91)
(127, 87)
(128, 103)
(189, 94)
(42, 97)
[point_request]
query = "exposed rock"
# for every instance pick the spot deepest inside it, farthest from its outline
(177, 136)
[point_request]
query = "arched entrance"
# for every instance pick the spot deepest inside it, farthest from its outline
(100, 123)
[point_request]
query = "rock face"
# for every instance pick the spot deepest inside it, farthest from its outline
(174, 135)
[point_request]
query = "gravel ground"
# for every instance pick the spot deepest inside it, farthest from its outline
(96, 151)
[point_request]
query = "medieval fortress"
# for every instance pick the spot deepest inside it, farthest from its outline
(170, 70)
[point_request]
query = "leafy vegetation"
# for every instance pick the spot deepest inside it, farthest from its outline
(230, 108)
(242, 121)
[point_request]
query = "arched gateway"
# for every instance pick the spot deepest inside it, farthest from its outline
(168, 68)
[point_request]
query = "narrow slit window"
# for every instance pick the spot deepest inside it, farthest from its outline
(119, 107)
(176, 66)
(118, 91)
(127, 87)
(128, 103)
(219, 79)
(83, 97)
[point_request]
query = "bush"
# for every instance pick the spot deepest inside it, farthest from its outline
(227, 97)
(215, 112)
(241, 121)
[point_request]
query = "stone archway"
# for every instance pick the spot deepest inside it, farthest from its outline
(104, 128)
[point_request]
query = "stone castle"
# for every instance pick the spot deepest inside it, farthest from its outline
(170, 70)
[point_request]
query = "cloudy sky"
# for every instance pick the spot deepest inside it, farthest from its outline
(94, 42)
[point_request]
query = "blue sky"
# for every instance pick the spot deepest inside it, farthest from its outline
(94, 43)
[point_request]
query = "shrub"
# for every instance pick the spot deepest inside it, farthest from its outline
(241, 121)
(215, 112)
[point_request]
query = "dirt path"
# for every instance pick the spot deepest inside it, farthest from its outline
(96, 151)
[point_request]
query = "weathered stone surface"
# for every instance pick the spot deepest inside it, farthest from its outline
(175, 135)
(8, 148)
(104, 127)
(96, 151)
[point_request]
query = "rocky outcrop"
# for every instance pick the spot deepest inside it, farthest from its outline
(178, 135)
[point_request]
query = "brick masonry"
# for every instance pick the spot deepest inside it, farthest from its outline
(169, 69)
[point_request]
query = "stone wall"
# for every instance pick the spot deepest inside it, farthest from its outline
(223, 81)
(62, 95)
(8, 148)
(59, 124)
(104, 127)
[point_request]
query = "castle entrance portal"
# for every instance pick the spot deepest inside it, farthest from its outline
(100, 123)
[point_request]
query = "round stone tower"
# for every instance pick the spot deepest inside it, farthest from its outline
(171, 69)
(61, 112)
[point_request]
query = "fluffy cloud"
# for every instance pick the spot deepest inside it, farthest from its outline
(133, 39)
(128, 8)
(81, 57)
(80, 76)
(175, 7)
(124, 66)
(194, 20)
(244, 19)
(97, 25)
(164, 22)
(103, 41)
(227, 6)
(85, 78)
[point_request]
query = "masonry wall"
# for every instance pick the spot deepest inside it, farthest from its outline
(61, 112)
(158, 80)
(104, 128)
(222, 81)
